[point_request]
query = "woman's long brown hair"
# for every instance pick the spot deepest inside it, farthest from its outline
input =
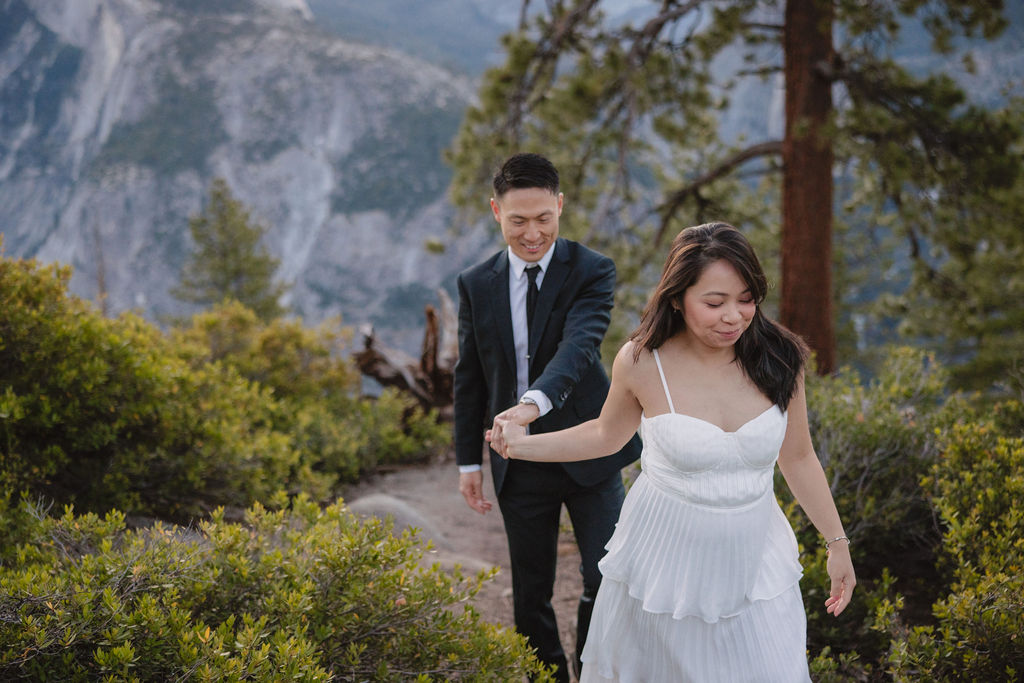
(770, 355)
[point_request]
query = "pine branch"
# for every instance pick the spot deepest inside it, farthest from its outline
(676, 199)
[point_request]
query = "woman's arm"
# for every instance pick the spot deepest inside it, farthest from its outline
(596, 438)
(806, 479)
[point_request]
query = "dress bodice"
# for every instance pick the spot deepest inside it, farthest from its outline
(705, 465)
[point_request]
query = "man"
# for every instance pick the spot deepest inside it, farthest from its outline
(534, 357)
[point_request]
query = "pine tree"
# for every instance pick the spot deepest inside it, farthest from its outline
(229, 262)
(629, 112)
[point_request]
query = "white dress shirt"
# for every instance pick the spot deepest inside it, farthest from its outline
(518, 283)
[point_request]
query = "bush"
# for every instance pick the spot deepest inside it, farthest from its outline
(306, 594)
(104, 414)
(850, 647)
(875, 442)
(978, 491)
(114, 414)
(929, 485)
(298, 363)
(338, 432)
(15, 525)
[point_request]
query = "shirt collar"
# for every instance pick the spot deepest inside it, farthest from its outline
(519, 265)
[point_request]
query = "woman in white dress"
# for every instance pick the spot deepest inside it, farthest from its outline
(701, 579)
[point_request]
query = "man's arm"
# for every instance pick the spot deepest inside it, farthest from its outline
(470, 399)
(470, 405)
(584, 329)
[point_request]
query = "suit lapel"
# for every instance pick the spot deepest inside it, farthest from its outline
(554, 278)
(502, 307)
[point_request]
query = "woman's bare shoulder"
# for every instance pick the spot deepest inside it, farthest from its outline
(628, 357)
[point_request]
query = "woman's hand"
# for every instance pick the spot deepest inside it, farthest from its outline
(505, 436)
(840, 571)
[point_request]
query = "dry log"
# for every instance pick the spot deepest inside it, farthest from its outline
(428, 379)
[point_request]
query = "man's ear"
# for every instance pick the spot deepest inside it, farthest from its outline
(496, 209)
(561, 198)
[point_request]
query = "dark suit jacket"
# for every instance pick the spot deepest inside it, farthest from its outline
(572, 315)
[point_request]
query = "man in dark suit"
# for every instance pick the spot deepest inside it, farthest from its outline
(531, 321)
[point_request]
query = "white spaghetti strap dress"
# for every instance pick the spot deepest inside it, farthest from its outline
(701, 580)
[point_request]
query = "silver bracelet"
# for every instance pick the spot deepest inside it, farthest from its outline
(837, 538)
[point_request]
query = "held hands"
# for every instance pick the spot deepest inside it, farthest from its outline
(505, 436)
(510, 426)
(840, 571)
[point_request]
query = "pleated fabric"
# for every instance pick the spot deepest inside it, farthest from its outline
(764, 644)
(701, 579)
(683, 560)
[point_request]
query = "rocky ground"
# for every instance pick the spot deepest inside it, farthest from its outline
(427, 497)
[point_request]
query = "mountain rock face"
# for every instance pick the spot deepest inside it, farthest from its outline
(115, 116)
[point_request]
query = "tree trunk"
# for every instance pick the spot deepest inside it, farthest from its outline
(430, 378)
(806, 306)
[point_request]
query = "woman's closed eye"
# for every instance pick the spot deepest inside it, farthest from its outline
(746, 302)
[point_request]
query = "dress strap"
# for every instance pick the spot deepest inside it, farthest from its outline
(664, 384)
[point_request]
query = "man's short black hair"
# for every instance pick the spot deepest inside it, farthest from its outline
(523, 171)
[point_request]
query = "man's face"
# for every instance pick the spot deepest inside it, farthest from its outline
(529, 220)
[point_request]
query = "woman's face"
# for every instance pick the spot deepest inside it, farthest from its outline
(718, 307)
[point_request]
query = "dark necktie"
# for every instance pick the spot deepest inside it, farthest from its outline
(531, 294)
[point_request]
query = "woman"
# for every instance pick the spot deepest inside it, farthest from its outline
(701, 579)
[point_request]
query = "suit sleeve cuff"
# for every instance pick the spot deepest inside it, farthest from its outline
(543, 402)
(466, 469)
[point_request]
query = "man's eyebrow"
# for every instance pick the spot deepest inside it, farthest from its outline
(545, 212)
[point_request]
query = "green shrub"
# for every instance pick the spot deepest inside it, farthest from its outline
(105, 414)
(1008, 417)
(115, 414)
(339, 433)
(16, 523)
(875, 441)
(978, 491)
(397, 430)
(848, 647)
(977, 487)
(930, 487)
(298, 363)
(308, 594)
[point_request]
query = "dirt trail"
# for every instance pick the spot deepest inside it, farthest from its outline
(427, 496)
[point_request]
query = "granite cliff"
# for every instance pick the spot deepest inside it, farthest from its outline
(115, 115)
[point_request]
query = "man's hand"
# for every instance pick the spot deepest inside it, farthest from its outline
(508, 433)
(495, 437)
(471, 486)
(521, 414)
